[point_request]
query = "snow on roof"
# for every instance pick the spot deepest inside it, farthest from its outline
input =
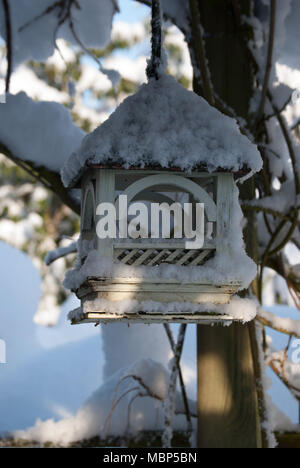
(165, 125)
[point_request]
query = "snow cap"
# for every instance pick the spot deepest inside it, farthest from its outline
(165, 126)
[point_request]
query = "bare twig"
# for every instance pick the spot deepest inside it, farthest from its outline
(62, 6)
(269, 63)
(270, 211)
(138, 379)
(113, 407)
(199, 47)
(280, 111)
(288, 140)
(266, 255)
(296, 124)
(9, 46)
(137, 395)
(169, 403)
(61, 252)
(257, 366)
(295, 391)
(269, 323)
(51, 180)
(182, 385)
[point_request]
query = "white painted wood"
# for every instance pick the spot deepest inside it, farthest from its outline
(105, 193)
(144, 290)
(129, 256)
(96, 281)
(163, 297)
(153, 197)
(88, 190)
(143, 257)
(143, 172)
(167, 244)
(225, 192)
(185, 258)
(200, 258)
(157, 257)
(157, 294)
(153, 318)
(183, 183)
(172, 258)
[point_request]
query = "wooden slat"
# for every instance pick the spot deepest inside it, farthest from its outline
(129, 256)
(105, 194)
(185, 257)
(200, 258)
(153, 318)
(143, 257)
(158, 245)
(158, 257)
(173, 255)
(100, 281)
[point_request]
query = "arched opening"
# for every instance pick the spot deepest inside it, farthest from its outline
(88, 214)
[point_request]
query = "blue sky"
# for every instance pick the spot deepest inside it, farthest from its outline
(132, 11)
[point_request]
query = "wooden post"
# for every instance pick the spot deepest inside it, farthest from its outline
(228, 415)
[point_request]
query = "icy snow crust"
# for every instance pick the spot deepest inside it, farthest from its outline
(165, 125)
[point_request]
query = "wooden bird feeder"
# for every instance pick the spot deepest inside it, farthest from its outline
(160, 145)
(104, 185)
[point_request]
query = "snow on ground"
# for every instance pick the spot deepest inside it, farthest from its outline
(95, 418)
(49, 372)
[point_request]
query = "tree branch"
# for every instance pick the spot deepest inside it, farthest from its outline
(51, 180)
(182, 385)
(6, 8)
(269, 63)
(199, 47)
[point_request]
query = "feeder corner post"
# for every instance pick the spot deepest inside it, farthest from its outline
(228, 409)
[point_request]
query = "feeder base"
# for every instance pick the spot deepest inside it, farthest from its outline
(96, 290)
(144, 318)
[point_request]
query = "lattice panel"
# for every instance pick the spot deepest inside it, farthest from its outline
(155, 257)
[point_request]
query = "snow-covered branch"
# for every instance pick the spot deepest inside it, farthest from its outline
(60, 253)
(282, 325)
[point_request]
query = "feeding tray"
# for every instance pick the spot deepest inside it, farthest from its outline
(95, 290)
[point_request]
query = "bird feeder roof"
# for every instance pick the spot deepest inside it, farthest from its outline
(165, 126)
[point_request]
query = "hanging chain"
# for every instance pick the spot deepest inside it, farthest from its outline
(156, 41)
